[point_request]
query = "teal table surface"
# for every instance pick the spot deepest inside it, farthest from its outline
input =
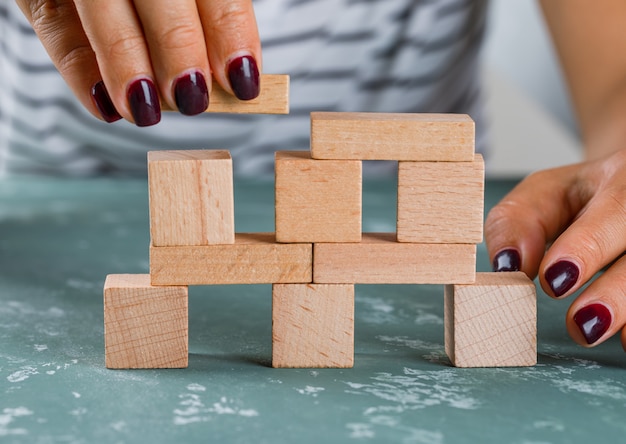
(60, 238)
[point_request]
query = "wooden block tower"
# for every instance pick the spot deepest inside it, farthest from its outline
(319, 252)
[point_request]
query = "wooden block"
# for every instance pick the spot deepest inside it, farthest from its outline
(273, 98)
(144, 326)
(253, 259)
(312, 325)
(191, 197)
(389, 136)
(317, 200)
(441, 202)
(379, 259)
(493, 322)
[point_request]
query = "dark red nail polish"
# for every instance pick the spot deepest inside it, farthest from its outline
(191, 93)
(507, 260)
(561, 277)
(243, 75)
(103, 102)
(144, 102)
(593, 321)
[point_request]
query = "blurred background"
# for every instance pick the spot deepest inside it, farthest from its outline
(532, 124)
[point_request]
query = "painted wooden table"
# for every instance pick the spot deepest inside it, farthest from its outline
(60, 238)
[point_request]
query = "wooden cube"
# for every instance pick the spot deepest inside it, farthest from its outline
(379, 259)
(144, 326)
(191, 197)
(389, 136)
(441, 202)
(312, 325)
(493, 322)
(254, 258)
(317, 200)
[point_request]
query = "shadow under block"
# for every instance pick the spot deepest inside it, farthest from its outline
(144, 326)
(191, 197)
(254, 258)
(389, 136)
(317, 200)
(379, 259)
(441, 202)
(273, 98)
(493, 322)
(312, 325)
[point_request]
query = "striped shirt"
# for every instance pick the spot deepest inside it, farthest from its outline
(341, 55)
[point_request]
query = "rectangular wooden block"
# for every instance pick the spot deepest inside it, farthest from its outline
(191, 197)
(144, 326)
(317, 200)
(493, 322)
(389, 136)
(441, 202)
(312, 325)
(379, 259)
(273, 98)
(254, 258)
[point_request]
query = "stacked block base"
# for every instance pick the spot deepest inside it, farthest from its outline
(144, 326)
(492, 322)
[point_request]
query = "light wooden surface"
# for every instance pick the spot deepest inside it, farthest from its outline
(144, 326)
(441, 202)
(254, 258)
(389, 136)
(493, 322)
(273, 98)
(312, 325)
(317, 200)
(191, 197)
(380, 259)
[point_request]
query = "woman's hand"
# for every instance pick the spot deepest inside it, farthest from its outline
(122, 57)
(566, 224)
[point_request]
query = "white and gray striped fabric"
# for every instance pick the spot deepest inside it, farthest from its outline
(342, 55)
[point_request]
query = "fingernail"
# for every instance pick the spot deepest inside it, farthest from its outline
(561, 277)
(191, 93)
(144, 102)
(507, 260)
(103, 102)
(593, 321)
(243, 75)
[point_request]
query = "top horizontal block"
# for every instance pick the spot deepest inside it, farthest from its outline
(273, 98)
(389, 136)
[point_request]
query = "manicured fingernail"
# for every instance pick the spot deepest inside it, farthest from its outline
(507, 260)
(593, 321)
(103, 102)
(561, 277)
(144, 102)
(243, 75)
(191, 93)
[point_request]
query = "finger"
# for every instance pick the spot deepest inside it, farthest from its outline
(58, 27)
(116, 36)
(597, 236)
(520, 226)
(178, 52)
(233, 44)
(600, 310)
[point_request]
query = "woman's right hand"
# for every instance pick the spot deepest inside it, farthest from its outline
(122, 58)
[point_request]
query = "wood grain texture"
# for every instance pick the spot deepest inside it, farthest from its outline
(493, 322)
(389, 136)
(144, 326)
(312, 325)
(273, 98)
(441, 202)
(317, 200)
(191, 197)
(254, 258)
(379, 259)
